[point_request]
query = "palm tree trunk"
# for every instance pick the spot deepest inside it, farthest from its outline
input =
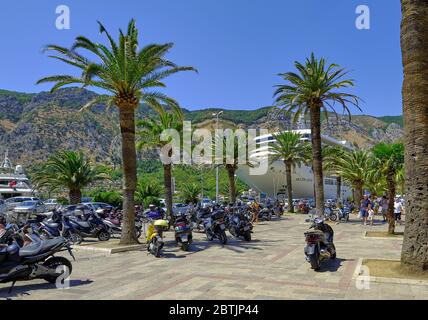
(289, 186)
(167, 179)
(358, 194)
(414, 46)
(391, 197)
(75, 196)
(129, 164)
(338, 187)
(232, 187)
(317, 157)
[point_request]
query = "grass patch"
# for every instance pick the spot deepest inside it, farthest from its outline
(391, 269)
(383, 234)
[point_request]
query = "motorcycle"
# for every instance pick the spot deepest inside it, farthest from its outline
(114, 225)
(92, 227)
(239, 226)
(154, 237)
(197, 219)
(215, 227)
(33, 261)
(319, 243)
(265, 214)
(330, 214)
(344, 213)
(183, 232)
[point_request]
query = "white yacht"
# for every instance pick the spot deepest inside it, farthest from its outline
(274, 183)
(13, 181)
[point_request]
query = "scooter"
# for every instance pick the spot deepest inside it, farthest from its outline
(319, 243)
(33, 261)
(114, 225)
(92, 227)
(215, 227)
(183, 232)
(239, 226)
(155, 237)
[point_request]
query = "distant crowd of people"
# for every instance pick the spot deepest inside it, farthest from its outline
(370, 206)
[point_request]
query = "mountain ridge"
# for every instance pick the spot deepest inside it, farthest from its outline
(34, 125)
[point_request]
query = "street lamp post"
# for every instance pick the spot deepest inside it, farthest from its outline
(217, 114)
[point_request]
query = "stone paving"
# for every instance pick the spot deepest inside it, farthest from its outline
(272, 266)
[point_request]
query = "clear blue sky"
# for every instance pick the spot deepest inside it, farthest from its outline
(238, 46)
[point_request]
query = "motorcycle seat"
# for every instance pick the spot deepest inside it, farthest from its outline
(52, 225)
(81, 223)
(32, 249)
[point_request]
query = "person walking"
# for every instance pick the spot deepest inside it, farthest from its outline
(364, 208)
(384, 205)
(398, 208)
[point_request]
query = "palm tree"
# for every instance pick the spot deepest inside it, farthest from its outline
(129, 75)
(69, 170)
(149, 136)
(353, 167)
(231, 162)
(414, 47)
(390, 159)
(290, 149)
(147, 193)
(190, 193)
(331, 155)
(312, 91)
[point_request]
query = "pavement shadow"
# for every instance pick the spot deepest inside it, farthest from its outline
(332, 265)
(22, 290)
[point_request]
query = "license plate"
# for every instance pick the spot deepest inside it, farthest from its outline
(222, 227)
(184, 238)
(310, 250)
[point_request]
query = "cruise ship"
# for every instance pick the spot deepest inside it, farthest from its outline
(273, 184)
(13, 181)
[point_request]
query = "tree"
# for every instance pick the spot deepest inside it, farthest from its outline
(190, 193)
(390, 159)
(232, 156)
(69, 170)
(312, 91)
(331, 156)
(414, 47)
(147, 193)
(353, 167)
(290, 149)
(149, 136)
(129, 75)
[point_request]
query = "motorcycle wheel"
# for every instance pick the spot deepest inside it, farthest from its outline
(347, 218)
(209, 236)
(222, 237)
(333, 256)
(333, 217)
(55, 262)
(247, 235)
(315, 262)
(103, 235)
(185, 246)
(74, 238)
(137, 233)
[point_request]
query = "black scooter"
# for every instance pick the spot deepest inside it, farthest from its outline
(319, 243)
(239, 226)
(33, 261)
(91, 227)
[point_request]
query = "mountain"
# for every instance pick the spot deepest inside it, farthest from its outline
(34, 125)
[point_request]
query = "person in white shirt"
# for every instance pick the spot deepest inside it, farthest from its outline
(398, 208)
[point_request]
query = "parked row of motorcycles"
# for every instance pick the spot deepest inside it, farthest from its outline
(25, 256)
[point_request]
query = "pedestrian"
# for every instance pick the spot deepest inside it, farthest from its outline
(371, 215)
(398, 208)
(384, 205)
(364, 208)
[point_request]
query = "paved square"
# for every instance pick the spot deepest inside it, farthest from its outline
(272, 266)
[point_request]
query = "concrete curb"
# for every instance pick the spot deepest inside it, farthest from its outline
(357, 272)
(365, 236)
(90, 248)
